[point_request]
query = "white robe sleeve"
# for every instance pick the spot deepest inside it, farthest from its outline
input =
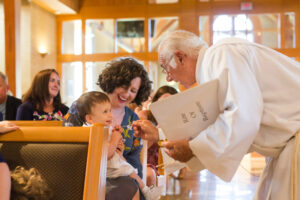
(223, 144)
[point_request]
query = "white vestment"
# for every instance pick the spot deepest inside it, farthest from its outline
(259, 99)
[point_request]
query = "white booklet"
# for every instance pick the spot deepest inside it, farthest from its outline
(186, 114)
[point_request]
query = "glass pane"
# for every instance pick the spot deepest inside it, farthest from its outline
(71, 82)
(159, 28)
(242, 23)
(222, 23)
(162, 1)
(250, 36)
(289, 34)
(266, 28)
(92, 72)
(71, 37)
(269, 39)
(240, 34)
(99, 36)
(159, 78)
(2, 39)
(204, 28)
(130, 35)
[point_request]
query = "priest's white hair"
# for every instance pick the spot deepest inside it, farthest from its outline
(181, 40)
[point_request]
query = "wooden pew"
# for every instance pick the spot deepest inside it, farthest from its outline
(36, 123)
(71, 159)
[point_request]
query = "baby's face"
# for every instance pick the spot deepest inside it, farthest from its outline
(101, 113)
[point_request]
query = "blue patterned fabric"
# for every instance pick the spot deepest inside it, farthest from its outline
(133, 145)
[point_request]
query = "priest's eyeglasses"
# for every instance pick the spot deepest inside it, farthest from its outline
(166, 69)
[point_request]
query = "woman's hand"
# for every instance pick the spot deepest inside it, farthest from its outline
(145, 130)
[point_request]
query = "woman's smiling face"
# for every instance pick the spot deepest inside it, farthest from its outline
(122, 96)
(54, 85)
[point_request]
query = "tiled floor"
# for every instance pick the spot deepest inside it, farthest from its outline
(206, 186)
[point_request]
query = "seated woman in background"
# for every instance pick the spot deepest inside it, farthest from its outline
(42, 101)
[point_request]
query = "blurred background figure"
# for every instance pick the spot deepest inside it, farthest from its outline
(42, 101)
(8, 103)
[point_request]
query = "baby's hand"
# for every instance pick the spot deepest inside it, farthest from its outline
(117, 128)
(116, 135)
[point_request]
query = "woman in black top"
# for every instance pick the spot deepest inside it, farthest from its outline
(42, 101)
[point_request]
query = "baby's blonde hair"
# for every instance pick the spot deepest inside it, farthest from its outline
(29, 184)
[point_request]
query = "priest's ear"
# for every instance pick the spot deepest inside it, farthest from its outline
(180, 55)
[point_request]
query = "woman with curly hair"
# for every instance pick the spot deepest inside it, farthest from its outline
(42, 101)
(125, 81)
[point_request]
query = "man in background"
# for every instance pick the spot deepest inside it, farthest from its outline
(8, 104)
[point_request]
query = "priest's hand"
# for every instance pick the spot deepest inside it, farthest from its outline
(179, 150)
(145, 130)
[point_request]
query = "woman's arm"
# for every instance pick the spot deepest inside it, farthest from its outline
(4, 181)
(25, 112)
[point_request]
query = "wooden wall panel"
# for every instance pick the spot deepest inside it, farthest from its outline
(12, 14)
(73, 4)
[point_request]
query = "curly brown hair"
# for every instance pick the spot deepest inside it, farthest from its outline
(120, 72)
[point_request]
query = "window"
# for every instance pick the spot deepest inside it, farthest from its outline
(289, 34)
(159, 28)
(71, 37)
(260, 28)
(130, 35)
(266, 28)
(92, 72)
(99, 36)
(232, 26)
(71, 83)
